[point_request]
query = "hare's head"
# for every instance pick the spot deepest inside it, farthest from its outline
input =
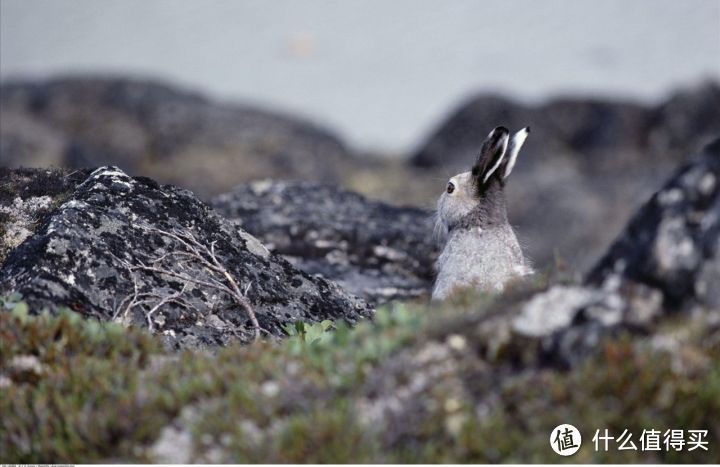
(475, 197)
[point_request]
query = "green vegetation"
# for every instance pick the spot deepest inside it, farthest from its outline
(411, 386)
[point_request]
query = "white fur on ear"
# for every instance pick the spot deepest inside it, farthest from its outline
(499, 160)
(516, 143)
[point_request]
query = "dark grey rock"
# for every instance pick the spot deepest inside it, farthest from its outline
(687, 121)
(458, 139)
(599, 133)
(144, 127)
(670, 242)
(665, 262)
(93, 250)
(377, 251)
(27, 196)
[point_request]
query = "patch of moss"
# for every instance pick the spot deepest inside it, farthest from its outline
(623, 388)
(71, 386)
(100, 392)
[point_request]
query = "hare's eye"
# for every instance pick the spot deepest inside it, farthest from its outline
(450, 187)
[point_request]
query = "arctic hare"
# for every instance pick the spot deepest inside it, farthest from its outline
(480, 247)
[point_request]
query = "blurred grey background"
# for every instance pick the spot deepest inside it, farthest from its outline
(380, 73)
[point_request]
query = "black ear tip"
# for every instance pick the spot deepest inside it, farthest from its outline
(502, 130)
(527, 129)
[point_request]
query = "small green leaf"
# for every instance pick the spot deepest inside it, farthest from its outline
(15, 297)
(290, 329)
(20, 311)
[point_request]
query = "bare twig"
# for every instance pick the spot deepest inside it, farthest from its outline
(219, 279)
(163, 301)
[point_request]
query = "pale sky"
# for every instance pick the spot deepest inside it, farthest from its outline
(380, 73)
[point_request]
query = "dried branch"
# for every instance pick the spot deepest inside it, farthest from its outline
(219, 279)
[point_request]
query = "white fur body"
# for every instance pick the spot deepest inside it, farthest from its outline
(485, 259)
(480, 247)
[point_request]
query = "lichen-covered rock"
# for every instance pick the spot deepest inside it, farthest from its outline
(374, 250)
(129, 250)
(665, 261)
(671, 244)
(26, 197)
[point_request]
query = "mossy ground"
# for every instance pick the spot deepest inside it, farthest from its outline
(76, 390)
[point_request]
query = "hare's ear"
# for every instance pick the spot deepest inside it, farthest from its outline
(491, 155)
(513, 149)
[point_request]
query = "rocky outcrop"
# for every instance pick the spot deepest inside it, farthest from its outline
(672, 244)
(586, 159)
(129, 250)
(374, 250)
(156, 130)
(665, 262)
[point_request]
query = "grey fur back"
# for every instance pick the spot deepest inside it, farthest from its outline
(483, 258)
(480, 247)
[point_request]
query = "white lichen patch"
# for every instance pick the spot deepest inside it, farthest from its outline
(674, 248)
(25, 364)
(5, 382)
(270, 389)
(70, 279)
(707, 184)
(553, 310)
(389, 253)
(456, 342)
(175, 444)
(22, 214)
(670, 197)
(113, 173)
(261, 187)
(254, 245)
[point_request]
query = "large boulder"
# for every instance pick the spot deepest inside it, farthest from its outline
(129, 250)
(156, 130)
(665, 262)
(672, 243)
(374, 250)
